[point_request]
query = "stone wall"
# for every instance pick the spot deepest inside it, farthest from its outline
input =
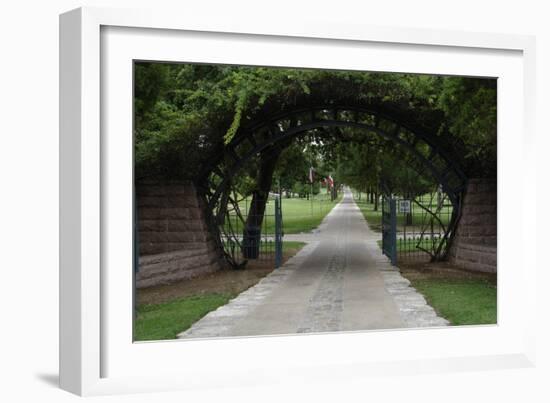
(174, 243)
(475, 243)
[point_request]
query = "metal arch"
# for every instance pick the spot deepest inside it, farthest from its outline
(450, 176)
(442, 177)
(419, 132)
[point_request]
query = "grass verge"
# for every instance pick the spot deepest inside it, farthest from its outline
(461, 302)
(461, 297)
(165, 321)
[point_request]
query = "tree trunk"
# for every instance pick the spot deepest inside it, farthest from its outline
(253, 225)
(376, 200)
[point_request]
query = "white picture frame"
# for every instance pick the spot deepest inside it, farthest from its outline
(96, 355)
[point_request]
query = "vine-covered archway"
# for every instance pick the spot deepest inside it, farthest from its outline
(423, 148)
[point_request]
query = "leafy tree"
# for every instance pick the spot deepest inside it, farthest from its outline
(292, 168)
(470, 106)
(201, 107)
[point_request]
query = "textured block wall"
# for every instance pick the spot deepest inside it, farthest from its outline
(174, 242)
(475, 243)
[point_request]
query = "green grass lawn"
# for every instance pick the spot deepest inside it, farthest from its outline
(461, 301)
(165, 321)
(299, 215)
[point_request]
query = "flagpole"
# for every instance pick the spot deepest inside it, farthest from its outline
(310, 178)
(311, 196)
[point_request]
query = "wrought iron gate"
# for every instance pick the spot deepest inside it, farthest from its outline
(417, 229)
(278, 232)
(389, 228)
(242, 242)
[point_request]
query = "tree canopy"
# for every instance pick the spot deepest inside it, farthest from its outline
(186, 113)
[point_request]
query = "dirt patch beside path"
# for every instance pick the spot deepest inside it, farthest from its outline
(225, 281)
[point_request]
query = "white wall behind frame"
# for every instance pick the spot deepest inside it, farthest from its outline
(28, 166)
(122, 45)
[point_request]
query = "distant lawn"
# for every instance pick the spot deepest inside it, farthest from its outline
(411, 245)
(461, 301)
(269, 246)
(293, 246)
(299, 215)
(166, 321)
(374, 218)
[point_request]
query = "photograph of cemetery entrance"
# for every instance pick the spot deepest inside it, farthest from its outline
(273, 201)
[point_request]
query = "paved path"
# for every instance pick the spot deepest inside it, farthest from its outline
(340, 281)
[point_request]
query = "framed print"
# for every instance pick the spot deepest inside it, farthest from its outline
(237, 198)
